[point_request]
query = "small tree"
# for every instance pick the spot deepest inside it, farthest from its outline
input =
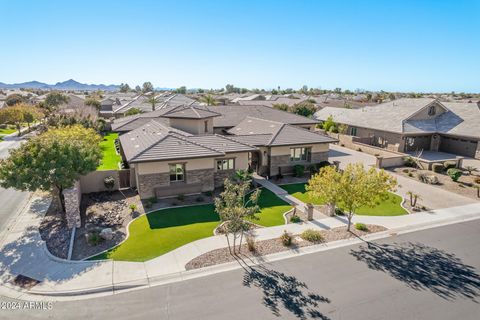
(52, 161)
(55, 99)
(305, 109)
(359, 187)
(19, 114)
(153, 100)
(209, 100)
(147, 87)
(233, 208)
(413, 198)
(281, 106)
(133, 111)
(325, 185)
(329, 125)
(93, 103)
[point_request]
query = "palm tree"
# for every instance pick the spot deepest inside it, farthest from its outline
(153, 100)
(209, 100)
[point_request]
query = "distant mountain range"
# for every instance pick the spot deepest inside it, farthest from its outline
(65, 85)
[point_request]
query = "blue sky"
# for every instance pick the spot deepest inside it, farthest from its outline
(390, 45)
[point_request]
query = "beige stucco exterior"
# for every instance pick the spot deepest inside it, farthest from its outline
(285, 150)
(193, 126)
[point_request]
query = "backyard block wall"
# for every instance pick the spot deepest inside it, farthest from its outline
(93, 182)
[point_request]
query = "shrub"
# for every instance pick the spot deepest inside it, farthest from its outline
(410, 174)
(199, 199)
(152, 200)
(133, 207)
(180, 197)
(437, 167)
(359, 149)
(295, 219)
(109, 182)
(251, 244)
(298, 170)
(405, 170)
(311, 235)
(409, 162)
(422, 177)
(449, 164)
(208, 193)
(94, 238)
(477, 180)
(286, 239)
(339, 212)
(323, 164)
(342, 144)
(361, 226)
(454, 174)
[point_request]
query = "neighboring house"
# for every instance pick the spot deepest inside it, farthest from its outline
(175, 150)
(229, 117)
(410, 125)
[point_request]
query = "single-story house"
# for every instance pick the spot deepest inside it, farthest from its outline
(411, 125)
(178, 152)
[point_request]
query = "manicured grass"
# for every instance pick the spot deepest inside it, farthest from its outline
(110, 158)
(272, 209)
(389, 207)
(162, 231)
(8, 130)
(298, 191)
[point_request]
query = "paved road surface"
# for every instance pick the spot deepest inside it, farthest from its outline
(10, 200)
(430, 274)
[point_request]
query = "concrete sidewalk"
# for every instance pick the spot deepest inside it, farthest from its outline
(24, 252)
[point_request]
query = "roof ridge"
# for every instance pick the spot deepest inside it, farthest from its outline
(233, 140)
(196, 143)
(276, 133)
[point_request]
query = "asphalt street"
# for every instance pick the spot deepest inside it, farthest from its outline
(10, 200)
(429, 274)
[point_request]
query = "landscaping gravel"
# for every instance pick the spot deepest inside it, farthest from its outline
(54, 231)
(265, 247)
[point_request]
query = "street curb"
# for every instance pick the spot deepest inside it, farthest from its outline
(211, 270)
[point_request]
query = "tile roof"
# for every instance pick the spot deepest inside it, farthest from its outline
(190, 112)
(232, 115)
(156, 142)
(273, 133)
(459, 119)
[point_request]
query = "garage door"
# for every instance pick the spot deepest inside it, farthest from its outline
(458, 146)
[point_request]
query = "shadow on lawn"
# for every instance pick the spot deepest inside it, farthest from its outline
(422, 267)
(174, 217)
(281, 289)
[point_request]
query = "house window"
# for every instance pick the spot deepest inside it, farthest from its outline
(353, 131)
(177, 172)
(206, 125)
(431, 111)
(226, 164)
(299, 154)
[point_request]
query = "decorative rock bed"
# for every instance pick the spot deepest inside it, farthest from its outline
(265, 247)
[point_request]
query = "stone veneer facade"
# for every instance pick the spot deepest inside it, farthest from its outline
(158, 184)
(220, 176)
(72, 197)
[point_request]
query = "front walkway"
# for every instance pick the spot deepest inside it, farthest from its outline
(283, 194)
(24, 252)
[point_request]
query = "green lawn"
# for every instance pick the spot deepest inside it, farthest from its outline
(110, 158)
(8, 130)
(272, 209)
(389, 207)
(162, 231)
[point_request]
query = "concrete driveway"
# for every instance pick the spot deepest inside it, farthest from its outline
(433, 197)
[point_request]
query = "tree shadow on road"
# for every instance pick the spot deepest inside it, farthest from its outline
(281, 289)
(422, 268)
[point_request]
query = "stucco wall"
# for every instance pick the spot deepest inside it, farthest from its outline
(193, 126)
(285, 150)
(93, 182)
(423, 113)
